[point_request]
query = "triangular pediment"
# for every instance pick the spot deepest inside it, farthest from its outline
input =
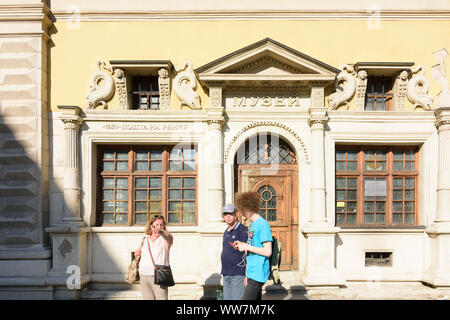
(266, 60)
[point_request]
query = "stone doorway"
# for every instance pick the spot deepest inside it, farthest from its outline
(267, 165)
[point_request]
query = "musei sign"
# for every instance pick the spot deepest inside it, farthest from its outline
(266, 102)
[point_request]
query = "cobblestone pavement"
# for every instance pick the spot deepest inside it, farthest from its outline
(365, 291)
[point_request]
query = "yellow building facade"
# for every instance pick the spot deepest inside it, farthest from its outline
(337, 115)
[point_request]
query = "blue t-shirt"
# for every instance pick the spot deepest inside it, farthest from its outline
(233, 261)
(258, 266)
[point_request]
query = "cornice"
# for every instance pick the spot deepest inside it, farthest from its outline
(256, 15)
(380, 116)
(25, 14)
(145, 115)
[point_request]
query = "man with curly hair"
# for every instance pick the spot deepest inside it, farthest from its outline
(258, 246)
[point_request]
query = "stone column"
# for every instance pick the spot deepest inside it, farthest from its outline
(320, 235)
(317, 120)
(438, 274)
(213, 226)
(215, 174)
(72, 122)
(443, 190)
(70, 236)
(215, 156)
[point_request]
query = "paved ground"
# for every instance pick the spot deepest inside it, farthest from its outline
(353, 291)
(365, 291)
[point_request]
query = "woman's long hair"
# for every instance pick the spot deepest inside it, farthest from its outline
(148, 229)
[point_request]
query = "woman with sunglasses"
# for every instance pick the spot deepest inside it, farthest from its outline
(160, 240)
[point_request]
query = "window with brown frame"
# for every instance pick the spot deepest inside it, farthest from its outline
(145, 92)
(378, 94)
(138, 182)
(376, 186)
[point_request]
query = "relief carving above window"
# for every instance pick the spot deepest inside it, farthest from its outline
(139, 85)
(345, 88)
(101, 86)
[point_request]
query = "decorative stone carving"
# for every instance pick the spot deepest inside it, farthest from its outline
(184, 86)
(262, 64)
(346, 91)
(65, 248)
(102, 86)
(438, 74)
(216, 97)
(401, 86)
(317, 97)
(417, 90)
(361, 86)
(121, 88)
(164, 89)
(266, 124)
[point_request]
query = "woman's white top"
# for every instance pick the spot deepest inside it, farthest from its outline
(160, 253)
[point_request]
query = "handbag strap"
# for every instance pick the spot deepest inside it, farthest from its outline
(150, 250)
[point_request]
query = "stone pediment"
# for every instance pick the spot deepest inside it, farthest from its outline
(265, 63)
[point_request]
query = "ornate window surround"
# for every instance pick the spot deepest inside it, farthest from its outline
(126, 69)
(400, 71)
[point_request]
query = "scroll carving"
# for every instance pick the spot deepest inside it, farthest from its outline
(101, 86)
(417, 90)
(346, 91)
(184, 86)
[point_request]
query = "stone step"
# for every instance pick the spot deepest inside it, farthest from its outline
(110, 295)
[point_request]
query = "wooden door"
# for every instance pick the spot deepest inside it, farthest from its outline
(277, 186)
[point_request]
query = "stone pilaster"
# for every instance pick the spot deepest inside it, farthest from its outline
(215, 165)
(69, 236)
(317, 121)
(72, 122)
(24, 147)
(212, 229)
(320, 235)
(438, 274)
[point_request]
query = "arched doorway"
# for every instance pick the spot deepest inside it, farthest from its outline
(267, 164)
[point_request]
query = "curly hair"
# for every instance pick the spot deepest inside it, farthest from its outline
(148, 229)
(248, 201)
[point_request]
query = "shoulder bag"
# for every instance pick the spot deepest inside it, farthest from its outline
(133, 269)
(163, 274)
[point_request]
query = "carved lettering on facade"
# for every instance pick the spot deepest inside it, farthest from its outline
(267, 102)
(145, 127)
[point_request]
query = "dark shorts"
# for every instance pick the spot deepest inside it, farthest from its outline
(253, 290)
